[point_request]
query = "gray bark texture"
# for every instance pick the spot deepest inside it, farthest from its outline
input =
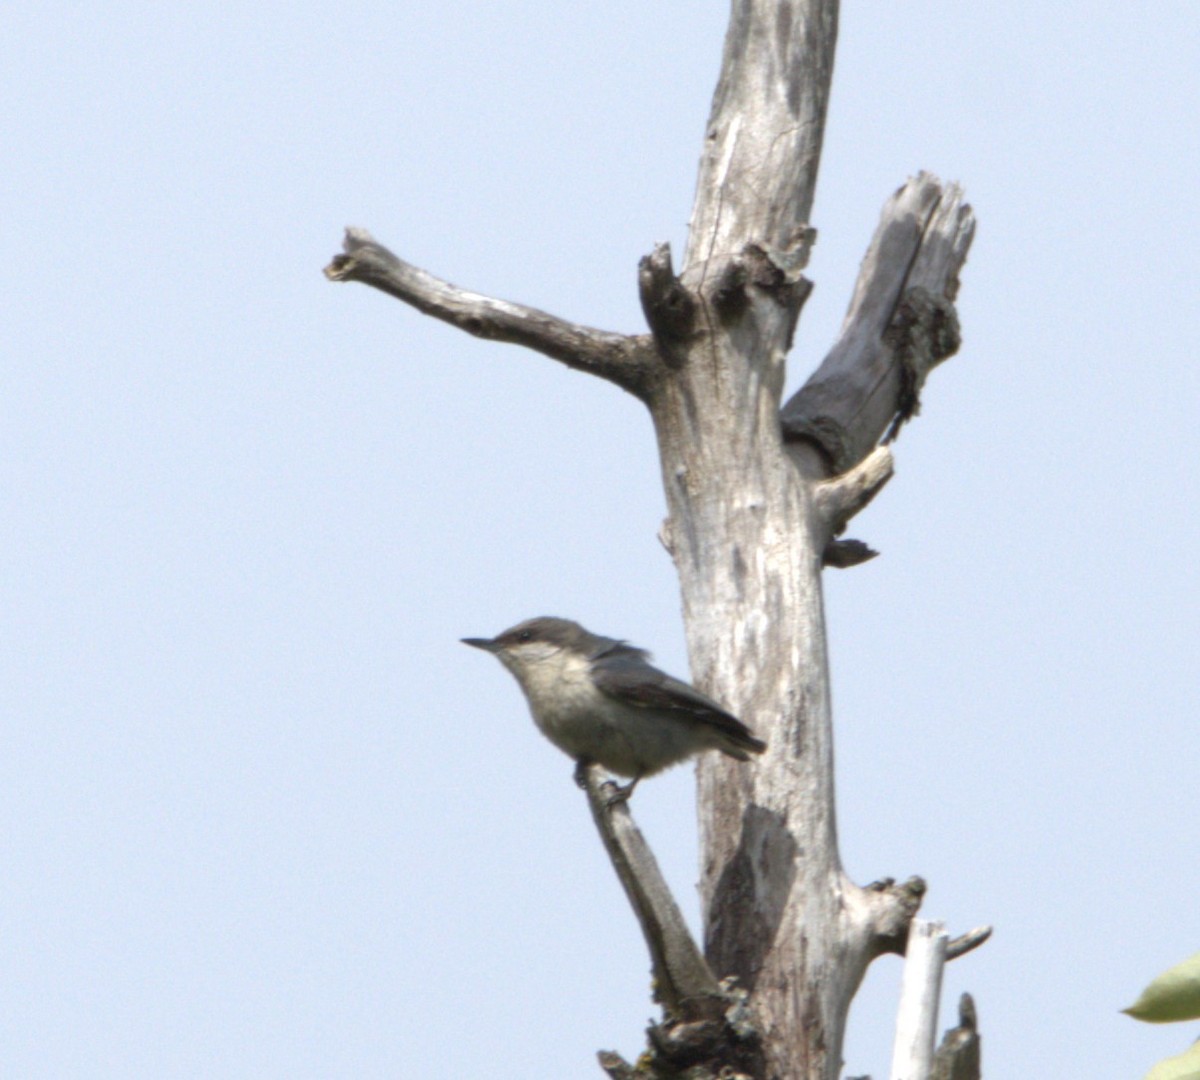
(758, 492)
(958, 1058)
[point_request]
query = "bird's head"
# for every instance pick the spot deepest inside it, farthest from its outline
(533, 642)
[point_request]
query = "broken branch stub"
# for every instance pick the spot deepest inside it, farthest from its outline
(900, 324)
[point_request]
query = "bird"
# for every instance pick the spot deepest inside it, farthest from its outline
(601, 702)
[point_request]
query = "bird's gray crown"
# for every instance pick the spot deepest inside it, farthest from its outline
(548, 629)
(562, 633)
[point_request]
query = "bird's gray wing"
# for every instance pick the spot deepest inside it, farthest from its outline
(627, 677)
(623, 674)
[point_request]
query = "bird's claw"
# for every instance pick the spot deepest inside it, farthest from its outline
(615, 793)
(619, 794)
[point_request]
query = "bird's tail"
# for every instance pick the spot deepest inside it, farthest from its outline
(738, 741)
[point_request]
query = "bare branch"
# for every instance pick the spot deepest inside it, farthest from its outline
(967, 942)
(626, 360)
(900, 323)
(684, 984)
(843, 554)
(839, 499)
(916, 1020)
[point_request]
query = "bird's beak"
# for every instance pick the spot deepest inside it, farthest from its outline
(484, 643)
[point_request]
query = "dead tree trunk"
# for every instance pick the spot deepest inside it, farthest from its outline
(758, 492)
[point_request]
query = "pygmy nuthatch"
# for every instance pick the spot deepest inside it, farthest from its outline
(598, 700)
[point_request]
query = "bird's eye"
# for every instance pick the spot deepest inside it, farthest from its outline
(525, 635)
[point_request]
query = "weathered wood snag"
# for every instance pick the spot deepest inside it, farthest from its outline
(759, 492)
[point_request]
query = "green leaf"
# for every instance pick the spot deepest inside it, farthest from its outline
(1174, 995)
(1185, 1066)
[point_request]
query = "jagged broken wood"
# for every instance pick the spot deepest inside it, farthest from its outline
(669, 308)
(901, 323)
(959, 1056)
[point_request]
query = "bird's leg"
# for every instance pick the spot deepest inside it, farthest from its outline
(621, 793)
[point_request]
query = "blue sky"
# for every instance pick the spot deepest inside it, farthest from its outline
(263, 816)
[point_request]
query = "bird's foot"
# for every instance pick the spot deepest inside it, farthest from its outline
(615, 793)
(620, 793)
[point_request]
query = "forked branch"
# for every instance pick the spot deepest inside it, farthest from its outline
(958, 1057)
(625, 359)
